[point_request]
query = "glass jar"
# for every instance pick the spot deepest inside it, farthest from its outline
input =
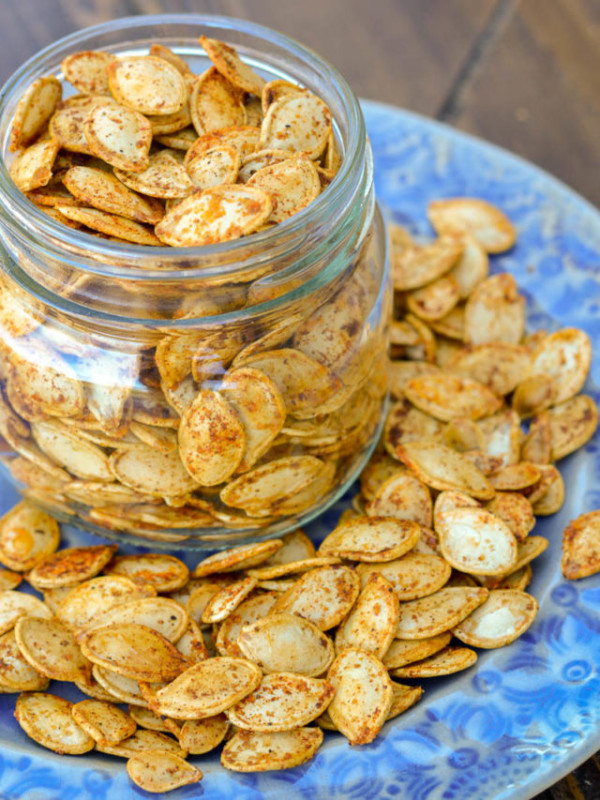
(105, 346)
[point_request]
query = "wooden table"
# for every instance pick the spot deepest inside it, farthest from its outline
(522, 73)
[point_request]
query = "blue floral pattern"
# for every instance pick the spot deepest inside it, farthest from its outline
(525, 714)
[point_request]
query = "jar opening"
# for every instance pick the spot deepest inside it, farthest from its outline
(272, 54)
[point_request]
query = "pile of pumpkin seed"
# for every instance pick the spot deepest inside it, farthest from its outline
(147, 152)
(262, 647)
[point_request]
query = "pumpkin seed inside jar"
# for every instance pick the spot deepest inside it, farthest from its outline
(209, 359)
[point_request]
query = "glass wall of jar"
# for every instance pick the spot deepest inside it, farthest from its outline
(199, 395)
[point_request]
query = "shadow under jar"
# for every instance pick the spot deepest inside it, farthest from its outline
(117, 361)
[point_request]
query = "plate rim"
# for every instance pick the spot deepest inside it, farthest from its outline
(456, 133)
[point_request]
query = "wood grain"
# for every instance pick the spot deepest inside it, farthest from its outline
(538, 90)
(522, 73)
(405, 53)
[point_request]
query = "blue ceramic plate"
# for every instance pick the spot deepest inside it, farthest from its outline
(524, 715)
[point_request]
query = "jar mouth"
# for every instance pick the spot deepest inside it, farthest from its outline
(90, 255)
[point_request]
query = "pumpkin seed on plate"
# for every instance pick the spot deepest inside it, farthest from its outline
(490, 227)
(71, 565)
(476, 542)
(533, 395)
(406, 651)
(225, 601)
(116, 687)
(165, 572)
(191, 644)
(443, 468)
(572, 424)
(296, 547)
(324, 596)
(581, 546)
(439, 612)
(237, 558)
(149, 721)
(363, 695)
(79, 607)
(435, 300)
(418, 265)
(14, 605)
(51, 649)
(248, 612)
(292, 567)
(495, 311)
(256, 751)
(105, 722)
(446, 396)
(281, 702)
(157, 771)
(205, 589)
(515, 510)
(133, 650)
(377, 471)
(286, 643)
(48, 720)
(498, 365)
(206, 689)
(141, 742)
(371, 539)
(166, 616)
(198, 736)
(403, 496)
(411, 576)
(371, 623)
(27, 536)
(505, 615)
(405, 423)
(403, 697)
(17, 674)
(445, 662)
(9, 580)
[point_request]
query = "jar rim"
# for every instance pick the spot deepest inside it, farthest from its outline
(86, 246)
